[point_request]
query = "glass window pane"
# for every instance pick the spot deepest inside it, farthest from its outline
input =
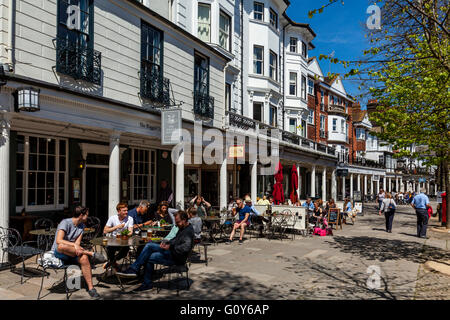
(32, 180)
(40, 197)
(31, 197)
(41, 180)
(62, 180)
(20, 161)
(33, 144)
(50, 180)
(51, 163)
(52, 146)
(62, 147)
(42, 145)
(62, 163)
(50, 196)
(42, 162)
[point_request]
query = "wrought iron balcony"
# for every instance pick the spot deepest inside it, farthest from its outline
(154, 86)
(321, 148)
(78, 61)
(290, 137)
(361, 161)
(331, 151)
(203, 105)
(239, 121)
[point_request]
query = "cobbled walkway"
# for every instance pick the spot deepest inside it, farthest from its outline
(342, 266)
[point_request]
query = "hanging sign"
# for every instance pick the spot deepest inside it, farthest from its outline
(236, 152)
(170, 126)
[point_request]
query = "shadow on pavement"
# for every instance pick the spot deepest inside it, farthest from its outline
(387, 249)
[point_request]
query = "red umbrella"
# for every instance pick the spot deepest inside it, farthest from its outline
(294, 184)
(278, 194)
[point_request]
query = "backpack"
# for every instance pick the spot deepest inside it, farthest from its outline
(391, 207)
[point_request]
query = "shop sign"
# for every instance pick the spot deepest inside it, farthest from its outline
(170, 126)
(236, 152)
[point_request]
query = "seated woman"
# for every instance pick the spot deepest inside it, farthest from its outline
(201, 205)
(164, 213)
(330, 205)
(317, 214)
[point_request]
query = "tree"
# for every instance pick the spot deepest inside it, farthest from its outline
(407, 70)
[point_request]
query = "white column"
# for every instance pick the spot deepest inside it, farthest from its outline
(114, 173)
(401, 185)
(418, 187)
(397, 185)
(365, 185)
(299, 181)
(179, 180)
(378, 185)
(5, 127)
(253, 185)
(384, 184)
(389, 185)
(371, 185)
(351, 186)
(223, 185)
(313, 181)
(324, 184)
(333, 185)
(343, 188)
(358, 183)
(428, 187)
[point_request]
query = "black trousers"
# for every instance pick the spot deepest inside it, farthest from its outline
(113, 257)
(422, 222)
(389, 215)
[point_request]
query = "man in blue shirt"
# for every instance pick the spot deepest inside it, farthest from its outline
(421, 203)
(139, 214)
(243, 222)
(308, 204)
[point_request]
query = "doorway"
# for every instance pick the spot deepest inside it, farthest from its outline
(210, 187)
(97, 192)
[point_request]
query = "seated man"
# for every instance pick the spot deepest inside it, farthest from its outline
(242, 223)
(196, 223)
(67, 246)
(139, 215)
(173, 252)
(308, 204)
(116, 224)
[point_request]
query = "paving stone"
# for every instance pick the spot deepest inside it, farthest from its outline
(218, 252)
(6, 294)
(314, 254)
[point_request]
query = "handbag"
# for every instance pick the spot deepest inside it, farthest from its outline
(391, 207)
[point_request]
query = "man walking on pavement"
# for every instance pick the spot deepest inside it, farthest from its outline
(421, 203)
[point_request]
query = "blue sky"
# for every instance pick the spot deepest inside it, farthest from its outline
(339, 28)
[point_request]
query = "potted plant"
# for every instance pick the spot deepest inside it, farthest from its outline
(125, 234)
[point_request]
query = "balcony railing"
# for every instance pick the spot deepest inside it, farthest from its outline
(203, 105)
(239, 121)
(154, 86)
(290, 137)
(335, 108)
(361, 161)
(78, 61)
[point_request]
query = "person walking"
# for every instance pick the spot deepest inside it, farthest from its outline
(388, 206)
(420, 203)
(380, 197)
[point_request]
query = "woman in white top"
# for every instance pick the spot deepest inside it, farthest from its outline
(388, 206)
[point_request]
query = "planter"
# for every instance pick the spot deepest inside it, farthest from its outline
(124, 238)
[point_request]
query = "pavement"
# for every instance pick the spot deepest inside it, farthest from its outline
(361, 261)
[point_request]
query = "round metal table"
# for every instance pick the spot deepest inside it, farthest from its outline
(52, 231)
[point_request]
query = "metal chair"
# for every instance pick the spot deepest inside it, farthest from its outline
(47, 224)
(175, 269)
(93, 223)
(11, 242)
(45, 273)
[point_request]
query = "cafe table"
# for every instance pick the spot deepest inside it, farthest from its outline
(133, 241)
(52, 231)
